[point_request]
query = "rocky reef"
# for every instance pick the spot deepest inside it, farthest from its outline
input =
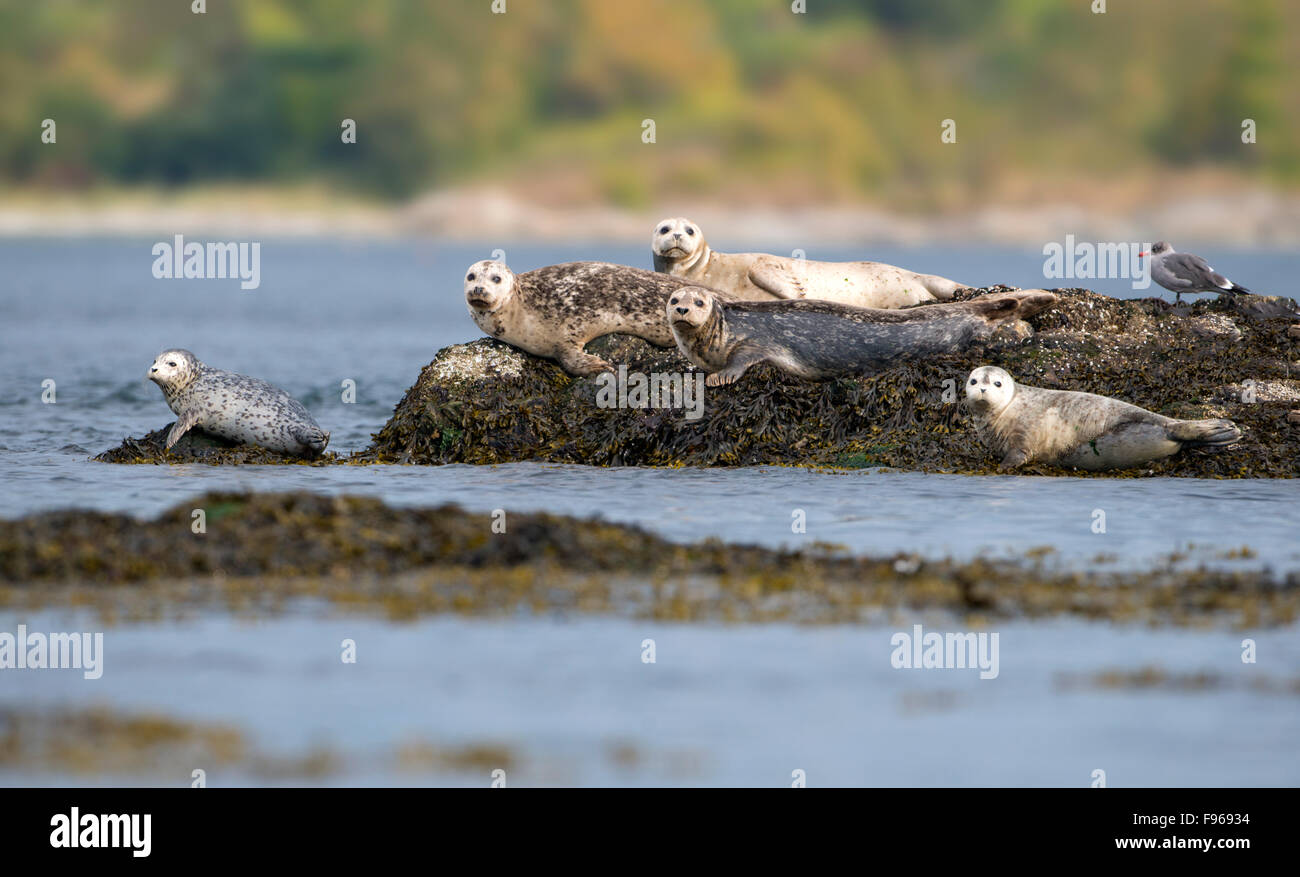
(257, 551)
(485, 402)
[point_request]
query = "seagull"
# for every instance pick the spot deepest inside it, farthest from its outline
(1183, 272)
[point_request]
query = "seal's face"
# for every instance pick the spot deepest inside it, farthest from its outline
(689, 308)
(989, 388)
(488, 286)
(676, 239)
(174, 368)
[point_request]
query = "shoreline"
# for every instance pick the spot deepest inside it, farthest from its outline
(1256, 218)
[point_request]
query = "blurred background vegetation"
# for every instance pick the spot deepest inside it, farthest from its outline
(751, 102)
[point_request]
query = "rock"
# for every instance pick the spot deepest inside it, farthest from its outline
(197, 446)
(362, 555)
(1265, 307)
(486, 403)
(1215, 326)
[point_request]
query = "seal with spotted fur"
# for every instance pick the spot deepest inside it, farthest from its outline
(821, 339)
(554, 311)
(233, 406)
(678, 248)
(1079, 430)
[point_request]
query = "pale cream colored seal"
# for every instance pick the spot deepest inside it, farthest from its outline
(678, 248)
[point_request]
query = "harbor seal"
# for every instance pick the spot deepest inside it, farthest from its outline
(1080, 430)
(821, 339)
(555, 311)
(235, 407)
(678, 248)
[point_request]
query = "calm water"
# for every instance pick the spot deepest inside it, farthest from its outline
(723, 705)
(742, 705)
(89, 315)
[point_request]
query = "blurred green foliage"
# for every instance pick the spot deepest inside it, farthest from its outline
(841, 103)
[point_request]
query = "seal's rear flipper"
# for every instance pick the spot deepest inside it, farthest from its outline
(776, 279)
(1013, 305)
(1205, 432)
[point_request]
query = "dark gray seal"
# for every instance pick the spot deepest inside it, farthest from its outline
(235, 407)
(554, 311)
(820, 339)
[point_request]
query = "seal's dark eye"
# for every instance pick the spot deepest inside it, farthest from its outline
(664, 230)
(172, 364)
(972, 382)
(699, 303)
(496, 278)
(672, 301)
(470, 277)
(997, 383)
(690, 231)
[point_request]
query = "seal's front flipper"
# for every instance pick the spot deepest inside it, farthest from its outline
(772, 277)
(739, 363)
(184, 423)
(581, 364)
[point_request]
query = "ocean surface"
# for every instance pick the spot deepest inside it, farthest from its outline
(742, 705)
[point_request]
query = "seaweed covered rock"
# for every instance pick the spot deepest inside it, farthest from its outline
(197, 446)
(485, 402)
(264, 549)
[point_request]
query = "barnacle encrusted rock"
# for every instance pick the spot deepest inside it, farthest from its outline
(484, 402)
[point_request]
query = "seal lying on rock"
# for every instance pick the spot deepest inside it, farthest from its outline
(821, 339)
(1080, 430)
(234, 407)
(554, 311)
(678, 248)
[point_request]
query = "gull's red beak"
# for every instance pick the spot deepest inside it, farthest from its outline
(1143, 253)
